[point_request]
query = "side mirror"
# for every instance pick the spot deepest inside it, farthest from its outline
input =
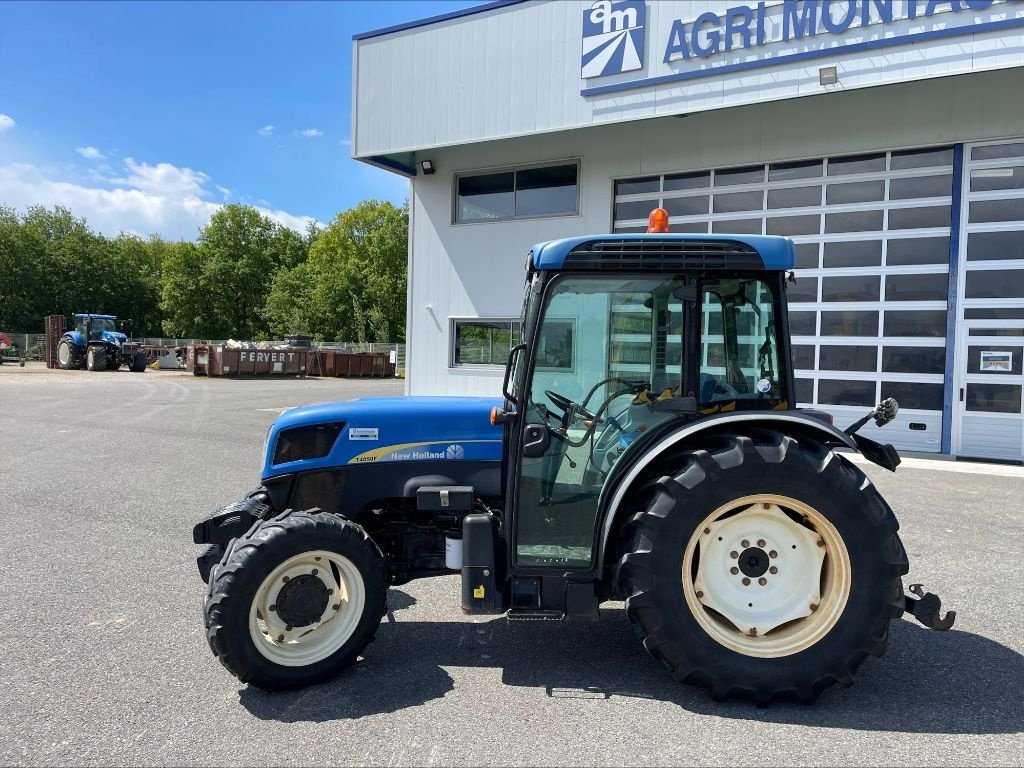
(510, 365)
(536, 439)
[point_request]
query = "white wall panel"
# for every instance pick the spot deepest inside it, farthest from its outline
(515, 71)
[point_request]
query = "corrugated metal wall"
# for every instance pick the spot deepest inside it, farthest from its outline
(515, 71)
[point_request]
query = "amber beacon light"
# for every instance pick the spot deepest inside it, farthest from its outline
(657, 221)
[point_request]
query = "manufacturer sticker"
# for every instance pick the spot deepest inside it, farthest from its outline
(764, 386)
(363, 433)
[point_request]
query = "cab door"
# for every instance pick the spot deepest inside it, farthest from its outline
(600, 347)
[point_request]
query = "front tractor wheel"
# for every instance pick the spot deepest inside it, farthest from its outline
(295, 600)
(763, 567)
(96, 359)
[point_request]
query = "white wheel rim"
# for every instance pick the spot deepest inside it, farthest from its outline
(63, 353)
(781, 610)
(295, 646)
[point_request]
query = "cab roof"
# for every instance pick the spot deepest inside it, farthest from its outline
(672, 251)
(98, 317)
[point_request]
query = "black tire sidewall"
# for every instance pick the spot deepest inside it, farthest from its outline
(834, 494)
(277, 546)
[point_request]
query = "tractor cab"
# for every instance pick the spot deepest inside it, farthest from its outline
(92, 327)
(624, 337)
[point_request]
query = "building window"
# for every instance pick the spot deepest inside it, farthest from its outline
(487, 342)
(483, 342)
(548, 190)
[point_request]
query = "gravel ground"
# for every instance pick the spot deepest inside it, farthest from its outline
(105, 663)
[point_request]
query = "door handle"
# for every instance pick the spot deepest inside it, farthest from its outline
(961, 394)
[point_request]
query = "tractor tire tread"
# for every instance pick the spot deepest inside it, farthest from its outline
(637, 581)
(222, 587)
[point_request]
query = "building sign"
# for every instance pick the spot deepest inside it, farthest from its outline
(998, 361)
(613, 37)
(734, 38)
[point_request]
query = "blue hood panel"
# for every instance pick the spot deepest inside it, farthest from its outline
(113, 337)
(388, 429)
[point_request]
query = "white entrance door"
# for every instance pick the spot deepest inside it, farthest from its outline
(991, 378)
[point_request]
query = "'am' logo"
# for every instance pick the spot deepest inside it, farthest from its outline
(613, 37)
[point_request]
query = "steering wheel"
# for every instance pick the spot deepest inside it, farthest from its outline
(725, 388)
(567, 406)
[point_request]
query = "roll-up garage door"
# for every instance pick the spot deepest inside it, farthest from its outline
(868, 311)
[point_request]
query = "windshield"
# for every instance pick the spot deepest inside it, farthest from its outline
(99, 325)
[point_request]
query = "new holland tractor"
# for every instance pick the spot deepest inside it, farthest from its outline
(652, 455)
(95, 344)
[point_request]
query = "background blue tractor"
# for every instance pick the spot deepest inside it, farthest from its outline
(96, 344)
(658, 459)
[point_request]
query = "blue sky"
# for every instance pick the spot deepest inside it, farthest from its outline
(145, 116)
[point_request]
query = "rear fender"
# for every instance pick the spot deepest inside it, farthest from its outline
(75, 338)
(790, 422)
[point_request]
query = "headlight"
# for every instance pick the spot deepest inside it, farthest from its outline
(312, 442)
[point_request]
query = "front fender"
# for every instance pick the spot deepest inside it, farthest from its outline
(648, 450)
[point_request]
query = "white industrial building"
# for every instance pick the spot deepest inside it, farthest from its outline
(886, 138)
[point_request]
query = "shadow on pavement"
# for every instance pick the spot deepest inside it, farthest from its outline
(928, 682)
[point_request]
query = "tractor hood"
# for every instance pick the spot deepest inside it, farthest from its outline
(383, 429)
(113, 337)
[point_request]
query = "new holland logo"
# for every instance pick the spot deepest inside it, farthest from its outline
(613, 37)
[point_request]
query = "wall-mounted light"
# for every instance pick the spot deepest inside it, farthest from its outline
(428, 167)
(828, 76)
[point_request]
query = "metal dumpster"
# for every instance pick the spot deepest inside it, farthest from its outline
(246, 362)
(342, 364)
(198, 359)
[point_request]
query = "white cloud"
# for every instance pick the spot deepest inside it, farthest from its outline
(90, 153)
(163, 179)
(310, 133)
(266, 130)
(6, 122)
(162, 198)
(224, 191)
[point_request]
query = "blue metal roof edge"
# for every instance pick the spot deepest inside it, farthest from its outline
(776, 252)
(385, 163)
(494, 4)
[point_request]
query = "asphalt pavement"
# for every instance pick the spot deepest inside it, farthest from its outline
(103, 659)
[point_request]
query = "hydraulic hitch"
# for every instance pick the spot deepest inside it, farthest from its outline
(926, 609)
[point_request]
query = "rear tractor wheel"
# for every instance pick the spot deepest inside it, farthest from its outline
(767, 567)
(67, 355)
(295, 600)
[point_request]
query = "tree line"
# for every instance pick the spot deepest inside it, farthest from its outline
(245, 277)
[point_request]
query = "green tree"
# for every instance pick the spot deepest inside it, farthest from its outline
(287, 307)
(181, 293)
(219, 288)
(357, 275)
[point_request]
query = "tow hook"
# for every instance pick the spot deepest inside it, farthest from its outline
(926, 609)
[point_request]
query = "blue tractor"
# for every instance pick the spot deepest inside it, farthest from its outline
(653, 456)
(96, 344)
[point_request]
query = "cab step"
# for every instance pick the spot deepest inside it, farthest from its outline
(533, 614)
